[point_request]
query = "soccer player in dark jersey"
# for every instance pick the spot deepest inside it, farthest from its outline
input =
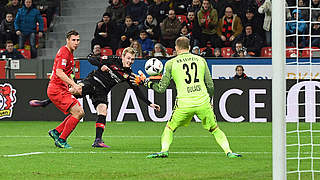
(111, 71)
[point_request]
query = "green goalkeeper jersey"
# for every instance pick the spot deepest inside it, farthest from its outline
(192, 78)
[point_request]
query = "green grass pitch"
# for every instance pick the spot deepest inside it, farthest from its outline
(194, 154)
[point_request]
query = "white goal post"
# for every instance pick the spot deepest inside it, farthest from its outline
(278, 91)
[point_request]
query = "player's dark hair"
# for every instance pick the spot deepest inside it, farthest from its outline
(183, 43)
(70, 33)
(9, 42)
(239, 67)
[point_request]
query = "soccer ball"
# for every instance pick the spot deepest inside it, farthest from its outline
(153, 67)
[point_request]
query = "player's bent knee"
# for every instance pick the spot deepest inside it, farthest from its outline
(77, 111)
(102, 109)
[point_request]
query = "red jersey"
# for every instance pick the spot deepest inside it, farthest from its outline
(64, 60)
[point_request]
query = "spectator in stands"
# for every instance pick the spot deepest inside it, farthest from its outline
(288, 12)
(240, 73)
(195, 6)
(159, 51)
(11, 52)
(128, 32)
(207, 51)
(291, 29)
(146, 43)
(266, 9)
(153, 29)
(304, 12)
(315, 41)
(7, 29)
(208, 20)
(159, 10)
(250, 18)
(254, 4)
(105, 33)
(117, 11)
(123, 2)
(26, 26)
(180, 6)
(13, 7)
(96, 50)
(252, 41)
(52, 11)
(196, 50)
(170, 29)
(184, 32)
(229, 27)
(240, 51)
(137, 47)
(2, 8)
(315, 13)
(219, 5)
(138, 11)
(194, 28)
(238, 8)
(217, 52)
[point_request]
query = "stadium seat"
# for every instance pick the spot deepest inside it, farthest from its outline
(182, 18)
(106, 52)
(202, 49)
(26, 53)
(291, 52)
(226, 52)
(169, 51)
(45, 24)
(314, 52)
(119, 52)
(266, 52)
(25, 75)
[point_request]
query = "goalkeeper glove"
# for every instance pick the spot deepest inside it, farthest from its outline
(136, 80)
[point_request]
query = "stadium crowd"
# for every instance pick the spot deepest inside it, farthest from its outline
(24, 22)
(213, 26)
(209, 24)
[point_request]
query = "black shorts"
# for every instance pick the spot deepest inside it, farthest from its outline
(97, 93)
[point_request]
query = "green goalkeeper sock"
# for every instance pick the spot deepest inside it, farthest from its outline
(166, 139)
(221, 140)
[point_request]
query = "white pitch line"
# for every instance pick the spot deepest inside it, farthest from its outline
(23, 154)
(151, 136)
(124, 152)
(133, 152)
(138, 136)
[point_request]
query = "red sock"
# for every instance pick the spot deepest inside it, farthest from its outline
(69, 127)
(61, 126)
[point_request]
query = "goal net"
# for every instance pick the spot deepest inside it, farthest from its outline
(302, 90)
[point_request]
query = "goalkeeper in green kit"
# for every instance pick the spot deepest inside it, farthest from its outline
(194, 92)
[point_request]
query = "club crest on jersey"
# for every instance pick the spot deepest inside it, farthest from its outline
(125, 75)
(64, 62)
(7, 100)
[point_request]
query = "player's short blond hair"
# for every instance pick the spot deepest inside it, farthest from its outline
(183, 43)
(128, 50)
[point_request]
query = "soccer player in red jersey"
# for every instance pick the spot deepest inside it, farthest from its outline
(58, 90)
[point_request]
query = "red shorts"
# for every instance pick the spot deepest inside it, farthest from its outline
(61, 97)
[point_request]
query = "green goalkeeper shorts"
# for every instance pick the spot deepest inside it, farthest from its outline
(183, 116)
